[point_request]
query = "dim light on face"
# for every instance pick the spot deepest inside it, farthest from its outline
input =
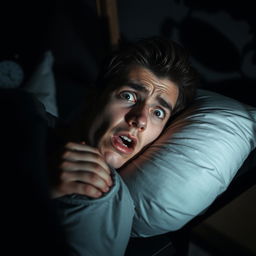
(134, 116)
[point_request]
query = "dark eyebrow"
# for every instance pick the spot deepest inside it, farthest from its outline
(142, 88)
(137, 86)
(164, 103)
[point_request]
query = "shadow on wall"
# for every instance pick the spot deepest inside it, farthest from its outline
(220, 37)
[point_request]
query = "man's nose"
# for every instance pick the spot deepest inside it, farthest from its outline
(138, 117)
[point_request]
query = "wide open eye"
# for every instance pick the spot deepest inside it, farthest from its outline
(129, 96)
(159, 113)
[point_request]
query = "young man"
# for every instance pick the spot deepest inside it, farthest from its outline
(144, 84)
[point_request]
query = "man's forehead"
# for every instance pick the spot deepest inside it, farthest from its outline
(137, 86)
(147, 80)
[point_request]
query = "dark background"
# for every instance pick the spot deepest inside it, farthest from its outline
(220, 36)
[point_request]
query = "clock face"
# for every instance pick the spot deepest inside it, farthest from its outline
(11, 74)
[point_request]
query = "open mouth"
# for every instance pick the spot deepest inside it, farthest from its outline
(124, 143)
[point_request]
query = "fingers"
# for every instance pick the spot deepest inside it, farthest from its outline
(86, 178)
(81, 147)
(93, 168)
(86, 156)
(86, 159)
(67, 188)
(83, 171)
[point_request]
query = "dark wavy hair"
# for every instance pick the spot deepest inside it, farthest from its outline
(164, 58)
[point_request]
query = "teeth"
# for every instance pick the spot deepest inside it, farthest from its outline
(126, 138)
(125, 145)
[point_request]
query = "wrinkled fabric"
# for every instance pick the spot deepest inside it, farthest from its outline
(98, 227)
(191, 164)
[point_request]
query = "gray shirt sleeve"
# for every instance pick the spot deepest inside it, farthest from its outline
(96, 227)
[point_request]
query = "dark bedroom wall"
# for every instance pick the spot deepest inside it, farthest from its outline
(220, 36)
(70, 29)
(24, 29)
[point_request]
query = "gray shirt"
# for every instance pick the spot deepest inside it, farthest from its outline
(96, 227)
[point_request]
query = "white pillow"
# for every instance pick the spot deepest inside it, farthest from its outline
(192, 163)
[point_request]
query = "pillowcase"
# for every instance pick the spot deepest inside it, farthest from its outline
(190, 164)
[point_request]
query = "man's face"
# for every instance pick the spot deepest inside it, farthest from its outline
(134, 116)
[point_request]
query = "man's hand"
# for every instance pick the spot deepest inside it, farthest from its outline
(83, 171)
